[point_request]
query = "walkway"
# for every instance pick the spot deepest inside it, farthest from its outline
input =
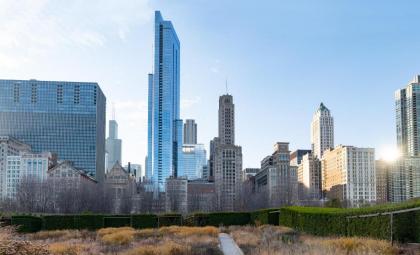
(228, 245)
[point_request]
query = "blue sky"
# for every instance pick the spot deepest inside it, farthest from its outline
(281, 59)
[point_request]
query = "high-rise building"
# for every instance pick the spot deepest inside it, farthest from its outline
(164, 125)
(404, 179)
(9, 147)
(297, 155)
(227, 158)
(176, 195)
(67, 118)
(349, 174)
(193, 161)
(309, 178)
(113, 145)
(190, 132)
(322, 131)
(407, 121)
(135, 170)
(277, 177)
(383, 178)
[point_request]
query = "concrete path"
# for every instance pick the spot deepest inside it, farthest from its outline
(228, 245)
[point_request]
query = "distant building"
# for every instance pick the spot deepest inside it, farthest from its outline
(29, 166)
(164, 124)
(383, 178)
(194, 159)
(201, 196)
(348, 174)
(190, 132)
(227, 158)
(122, 186)
(9, 147)
(404, 179)
(65, 174)
(309, 178)
(407, 119)
(67, 118)
(277, 177)
(135, 170)
(322, 131)
(247, 172)
(212, 152)
(113, 145)
(176, 196)
(297, 155)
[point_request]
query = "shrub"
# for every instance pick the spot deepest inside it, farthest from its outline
(140, 221)
(64, 248)
(189, 231)
(55, 222)
(116, 222)
(265, 216)
(27, 224)
(169, 220)
(333, 221)
(89, 221)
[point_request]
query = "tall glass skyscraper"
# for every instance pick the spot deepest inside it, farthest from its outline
(165, 127)
(67, 118)
(407, 105)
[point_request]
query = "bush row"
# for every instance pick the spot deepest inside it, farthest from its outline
(338, 222)
(28, 223)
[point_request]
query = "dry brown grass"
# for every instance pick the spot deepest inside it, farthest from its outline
(168, 248)
(354, 245)
(189, 231)
(116, 236)
(66, 248)
(61, 235)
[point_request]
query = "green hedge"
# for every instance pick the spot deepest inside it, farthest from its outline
(27, 223)
(330, 221)
(89, 221)
(55, 222)
(169, 220)
(143, 221)
(116, 222)
(221, 218)
(265, 216)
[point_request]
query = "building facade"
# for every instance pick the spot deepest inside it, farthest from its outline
(383, 178)
(64, 174)
(322, 131)
(309, 179)
(194, 159)
(404, 179)
(122, 187)
(190, 132)
(113, 145)
(26, 166)
(349, 174)
(297, 155)
(227, 158)
(201, 196)
(407, 104)
(164, 125)
(176, 195)
(248, 172)
(9, 147)
(67, 118)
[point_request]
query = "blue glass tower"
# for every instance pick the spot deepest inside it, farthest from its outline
(164, 125)
(67, 118)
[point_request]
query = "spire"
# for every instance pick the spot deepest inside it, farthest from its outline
(113, 110)
(227, 93)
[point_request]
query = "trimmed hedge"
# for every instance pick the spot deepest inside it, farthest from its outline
(265, 216)
(144, 221)
(27, 223)
(115, 222)
(169, 220)
(89, 221)
(221, 218)
(55, 222)
(329, 221)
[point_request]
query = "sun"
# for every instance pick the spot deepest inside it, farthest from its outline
(389, 153)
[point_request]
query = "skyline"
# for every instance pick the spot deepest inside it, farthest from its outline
(274, 109)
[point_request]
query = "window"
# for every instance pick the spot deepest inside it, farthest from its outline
(59, 94)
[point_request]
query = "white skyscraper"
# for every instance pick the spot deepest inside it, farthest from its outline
(113, 145)
(322, 131)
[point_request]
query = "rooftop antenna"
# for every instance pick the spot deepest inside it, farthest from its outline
(226, 85)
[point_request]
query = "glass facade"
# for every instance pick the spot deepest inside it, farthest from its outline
(164, 128)
(193, 160)
(67, 118)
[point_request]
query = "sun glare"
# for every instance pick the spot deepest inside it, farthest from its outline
(389, 153)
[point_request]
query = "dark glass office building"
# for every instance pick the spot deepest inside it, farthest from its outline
(67, 118)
